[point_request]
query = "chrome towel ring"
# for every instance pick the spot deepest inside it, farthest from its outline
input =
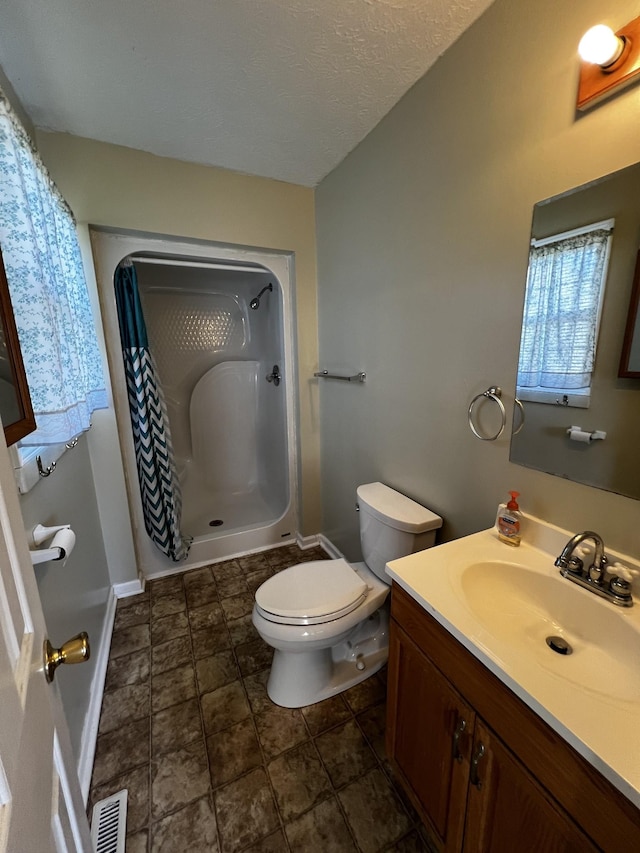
(493, 393)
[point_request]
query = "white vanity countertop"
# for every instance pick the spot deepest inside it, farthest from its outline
(591, 697)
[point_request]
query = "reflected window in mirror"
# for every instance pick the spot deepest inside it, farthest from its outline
(563, 303)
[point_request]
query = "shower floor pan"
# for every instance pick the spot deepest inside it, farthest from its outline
(207, 513)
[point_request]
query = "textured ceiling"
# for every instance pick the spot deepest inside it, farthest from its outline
(278, 88)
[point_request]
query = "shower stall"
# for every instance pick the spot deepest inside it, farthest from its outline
(219, 329)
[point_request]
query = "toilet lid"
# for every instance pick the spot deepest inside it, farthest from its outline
(311, 592)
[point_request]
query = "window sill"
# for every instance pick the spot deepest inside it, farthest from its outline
(25, 465)
(559, 397)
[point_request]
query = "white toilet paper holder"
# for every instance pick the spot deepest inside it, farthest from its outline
(40, 534)
(576, 433)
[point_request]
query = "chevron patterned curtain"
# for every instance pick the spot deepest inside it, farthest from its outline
(159, 486)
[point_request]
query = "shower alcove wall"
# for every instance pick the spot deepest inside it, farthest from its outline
(232, 430)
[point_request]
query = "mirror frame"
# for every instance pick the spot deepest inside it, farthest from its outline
(26, 423)
(631, 328)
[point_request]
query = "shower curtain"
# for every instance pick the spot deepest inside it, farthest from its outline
(159, 486)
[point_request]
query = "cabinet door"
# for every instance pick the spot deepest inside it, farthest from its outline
(429, 735)
(508, 810)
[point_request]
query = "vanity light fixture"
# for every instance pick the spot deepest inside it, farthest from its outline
(610, 61)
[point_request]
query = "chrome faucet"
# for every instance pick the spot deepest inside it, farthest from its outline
(615, 588)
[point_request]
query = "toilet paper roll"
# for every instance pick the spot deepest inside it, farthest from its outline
(65, 539)
(575, 434)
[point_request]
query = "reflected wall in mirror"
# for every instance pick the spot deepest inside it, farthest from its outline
(630, 360)
(15, 401)
(614, 407)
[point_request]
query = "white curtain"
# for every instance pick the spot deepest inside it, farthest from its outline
(48, 291)
(562, 303)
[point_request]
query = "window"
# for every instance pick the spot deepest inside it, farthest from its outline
(563, 303)
(48, 292)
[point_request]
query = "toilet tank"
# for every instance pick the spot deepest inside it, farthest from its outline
(392, 526)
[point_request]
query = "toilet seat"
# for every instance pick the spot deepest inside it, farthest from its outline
(311, 593)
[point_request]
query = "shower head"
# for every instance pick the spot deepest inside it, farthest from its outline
(255, 302)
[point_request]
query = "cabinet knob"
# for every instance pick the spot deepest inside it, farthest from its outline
(475, 761)
(455, 745)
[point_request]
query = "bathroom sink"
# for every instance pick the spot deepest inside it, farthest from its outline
(502, 603)
(522, 608)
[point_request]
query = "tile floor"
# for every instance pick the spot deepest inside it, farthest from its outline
(210, 763)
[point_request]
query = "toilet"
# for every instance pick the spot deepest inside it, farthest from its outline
(328, 620)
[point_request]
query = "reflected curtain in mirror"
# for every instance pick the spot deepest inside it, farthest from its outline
(630, 359)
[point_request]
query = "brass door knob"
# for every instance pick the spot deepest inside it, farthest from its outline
(75, 650)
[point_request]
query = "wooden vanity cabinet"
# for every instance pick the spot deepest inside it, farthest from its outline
(484, 772)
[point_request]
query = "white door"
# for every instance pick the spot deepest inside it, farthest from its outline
(41, 809)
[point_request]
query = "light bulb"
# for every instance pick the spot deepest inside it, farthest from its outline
(600, 45)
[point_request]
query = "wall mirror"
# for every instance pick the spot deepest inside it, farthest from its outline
(545, 442)
(15, 402)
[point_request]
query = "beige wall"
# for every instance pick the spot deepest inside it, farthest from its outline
(112, 186)
(422, 253)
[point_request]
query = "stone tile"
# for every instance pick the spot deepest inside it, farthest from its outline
(322, 828)
(253, 562)
(175, 727)
(369, 692)
(299, 781)
(345, 753)
(128, 640)
(233, 752)
(256, 687)
(282, 558)
(373, 724)
(124, 705)
(224, 707)
(193, 828)
(177, 778)
(128, 669)
(138, 842)
(271, 844)
(237, 605)
(374, 812)
(324, 715)
(170, 654)
(311, 554)
(208, 641)
(412, 843)
(224, 571)
(199, 594)
(135, 614)
(165, 605)
(137, 783)
(240, 826)
(197, 578)
(257, 578)
(170, 688)
(253, 656)
(165, 586)
(176, 625)
(242, 630)
(216, 670)
(280, 729)
(232, 586)
(206, 617)
(121, 750)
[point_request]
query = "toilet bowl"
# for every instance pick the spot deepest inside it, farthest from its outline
(327, 620)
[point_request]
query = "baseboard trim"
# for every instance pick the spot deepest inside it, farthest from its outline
(92, 718)
(329, 547)
(124, 590)
(305, 542)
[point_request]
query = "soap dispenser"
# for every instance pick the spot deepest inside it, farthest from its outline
(509, 521)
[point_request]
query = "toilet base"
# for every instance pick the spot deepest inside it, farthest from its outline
(298, 679)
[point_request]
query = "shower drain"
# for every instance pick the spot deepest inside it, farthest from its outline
(216, 522)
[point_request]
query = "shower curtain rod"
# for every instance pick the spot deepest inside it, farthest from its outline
(200, 264)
